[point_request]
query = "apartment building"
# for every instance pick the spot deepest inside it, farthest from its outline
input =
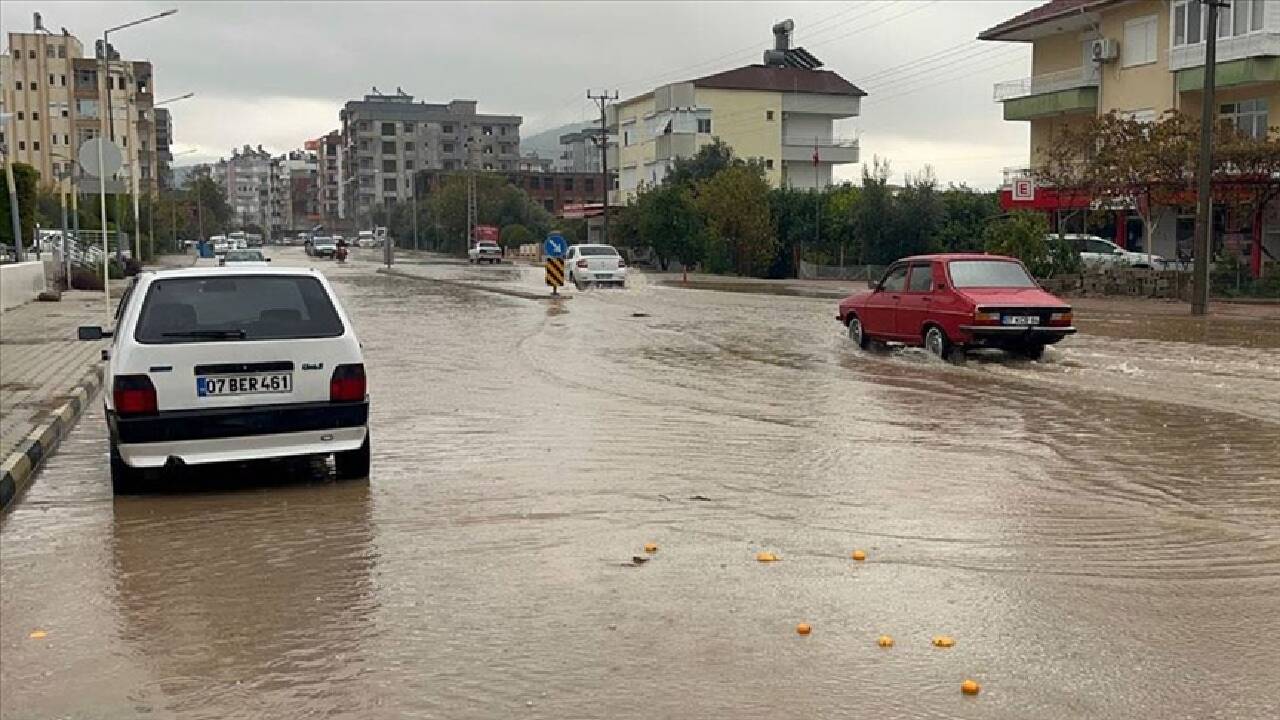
(164, 149)
(781, 112)
(1143, 58)
(387, 138)
(580, 151)
(36, 75)
(300, 188)
(257, 190)
(330, 200)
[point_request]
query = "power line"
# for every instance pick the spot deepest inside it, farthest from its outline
(1006, 60)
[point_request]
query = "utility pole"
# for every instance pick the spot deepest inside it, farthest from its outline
(1204, 199)
(413, 178)
(603, 100)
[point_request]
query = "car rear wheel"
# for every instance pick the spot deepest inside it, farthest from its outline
(578, 283)
(125, 480)
(937, 344)
(353, 464)
(1032, 352)
(857, 334)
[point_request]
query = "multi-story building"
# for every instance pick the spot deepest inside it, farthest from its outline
(257, 190)
(580, 151)
(532, 162)
(387, 138)
(331, 201)
(299, 188)
(37, 78)
(781, 112)
(1142, 58)
(164, 148)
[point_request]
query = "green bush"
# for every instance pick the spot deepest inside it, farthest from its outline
(1022, 235)
(1231, 278)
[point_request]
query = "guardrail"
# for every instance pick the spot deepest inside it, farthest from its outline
(1077, 77)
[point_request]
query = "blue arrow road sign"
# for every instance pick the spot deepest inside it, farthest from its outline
(555, 246)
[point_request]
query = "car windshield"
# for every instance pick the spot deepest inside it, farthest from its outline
(245, 307)
(244, 256)
(597, 250)
(989, 273)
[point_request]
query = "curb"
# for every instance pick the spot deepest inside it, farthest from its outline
(475, 286)
(20, 467)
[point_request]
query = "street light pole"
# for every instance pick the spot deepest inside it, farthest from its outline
(1204, 198)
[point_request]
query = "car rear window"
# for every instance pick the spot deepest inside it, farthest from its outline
(244, 256)
(237, 307)
(597, 250)
(989, 273)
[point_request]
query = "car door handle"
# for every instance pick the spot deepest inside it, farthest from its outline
(895, 297)
(926, 298)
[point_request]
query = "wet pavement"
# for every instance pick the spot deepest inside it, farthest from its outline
(1099, 531)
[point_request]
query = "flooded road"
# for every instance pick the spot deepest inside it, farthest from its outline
(1099, 532)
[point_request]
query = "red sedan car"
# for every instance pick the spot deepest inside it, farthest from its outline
(949, 303)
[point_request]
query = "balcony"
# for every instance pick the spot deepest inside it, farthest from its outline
(1065, 91)
(1231, 73)
(830, 150)
(1261, 44)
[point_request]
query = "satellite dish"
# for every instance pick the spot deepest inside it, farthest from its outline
(88, 157)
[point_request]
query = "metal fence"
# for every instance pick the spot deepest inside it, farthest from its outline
(810, 271)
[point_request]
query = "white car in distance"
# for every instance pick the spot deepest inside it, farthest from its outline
(484, 251)
(1100, 252)
(207, 366)
(595, 265)
(244, 258)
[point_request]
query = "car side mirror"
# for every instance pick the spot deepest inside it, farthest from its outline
(92, 332)
(267, 259)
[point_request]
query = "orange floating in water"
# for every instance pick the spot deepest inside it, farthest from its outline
(766, 557)
(970, 687)
(651, 547)
(859, 555)
(884, 641)
(943, 641)
(804, 629)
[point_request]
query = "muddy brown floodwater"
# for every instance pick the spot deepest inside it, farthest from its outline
(1099, 531)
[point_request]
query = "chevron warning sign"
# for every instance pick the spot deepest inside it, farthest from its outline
(555, 272)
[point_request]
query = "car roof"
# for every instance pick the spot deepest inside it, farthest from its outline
(957, 256)
(585, 245)
(215, 272)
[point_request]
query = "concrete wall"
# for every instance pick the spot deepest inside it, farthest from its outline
(21, 282)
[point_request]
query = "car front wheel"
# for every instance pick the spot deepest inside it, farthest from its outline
(857, 334)
(937, 344)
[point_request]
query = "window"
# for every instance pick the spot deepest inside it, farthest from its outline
(62, 81)
(568, 184)
(53, 140)
(389, 184)
(768, 114)
(87, 108)
(502, 129)
(31, 54)
(446, 128)
(548, 183)
(32, 85)
(246, 308)
(450, 165)
(20, 115)
(408, 127)
(48, 51)
(22, 144)
(1139, 45)
(388, 147)
(626, 138)
(1145, 115)
(768, 163)
(18, 83)
(35, 114)
(446, 147)
(486, 130)
(408, 164)
(488, 149)
(1240, 18)
(1248, 116)
(895, 279)
(389, 166)
(408, 146)
(35, 145)
(989, 273)
(62, 51)
(704, 125)
(488, 166)
(66, 139)
(50, 79)
(388, 128)
(549, 206)
(589, 184)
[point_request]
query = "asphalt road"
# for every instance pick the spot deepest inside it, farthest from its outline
(1099, 532)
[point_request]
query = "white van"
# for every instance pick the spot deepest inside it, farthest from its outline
(210, 365)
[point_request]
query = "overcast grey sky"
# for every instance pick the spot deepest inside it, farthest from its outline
(276, 73)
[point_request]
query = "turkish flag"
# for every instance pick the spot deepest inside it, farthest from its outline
(815, 154)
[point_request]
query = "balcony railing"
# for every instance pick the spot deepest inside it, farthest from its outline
(1078, 77)
(801, 141)
(1255, 44)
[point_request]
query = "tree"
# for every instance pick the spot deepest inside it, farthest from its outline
(917, 216)
(212, 211)
(966, 215)
(25, 178)
(513, 236)
(669, 221)
(497, 203)
(709, 160)
(1022, 235)
(735, 203)
(874, 215)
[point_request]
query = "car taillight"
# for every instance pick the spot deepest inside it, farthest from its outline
(134, 395)
(347, 383)
(1060, 318)
(582, 263)
(622, 263)
(985, 317)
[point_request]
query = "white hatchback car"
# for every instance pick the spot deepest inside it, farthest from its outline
(210, 365)
(595, 265)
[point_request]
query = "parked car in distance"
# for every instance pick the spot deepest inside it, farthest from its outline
(954, 302)
(595, 265)
(364, 238)
(211, 366)
(484, 251)
(220, 244)
(244, 258)
(1100, 252)
(324, 247)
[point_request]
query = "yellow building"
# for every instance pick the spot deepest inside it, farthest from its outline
(1142, 58)
(780, 112)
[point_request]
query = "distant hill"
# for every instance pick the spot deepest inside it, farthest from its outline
(547, 142)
